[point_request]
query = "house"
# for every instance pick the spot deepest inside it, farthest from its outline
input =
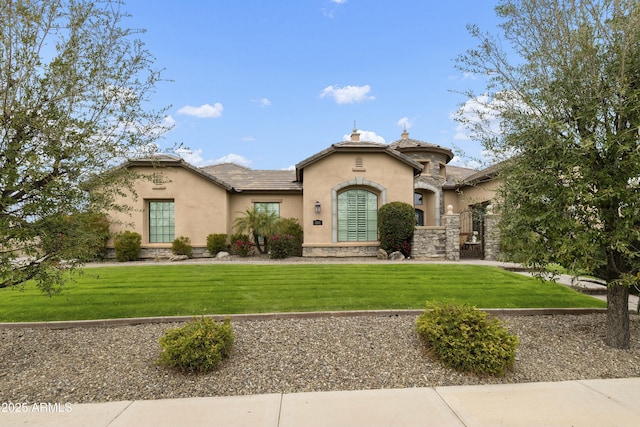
(334, 194)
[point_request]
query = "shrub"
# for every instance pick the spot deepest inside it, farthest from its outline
(291, 227)
(467, 339)
(217, 243)
(198, 346)
(281, 246)
(396, 222)
(241, 244)
(81, 236)
(127, 245)
(182, 246)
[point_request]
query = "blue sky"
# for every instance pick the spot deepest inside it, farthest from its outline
(268, 83)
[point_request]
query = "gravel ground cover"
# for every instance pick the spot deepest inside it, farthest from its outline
(81, 365)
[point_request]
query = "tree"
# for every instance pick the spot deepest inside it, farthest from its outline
(74, 84)
(567, 95)
(261, 224)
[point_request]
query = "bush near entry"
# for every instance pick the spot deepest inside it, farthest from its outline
(467, 339)
(396, 222)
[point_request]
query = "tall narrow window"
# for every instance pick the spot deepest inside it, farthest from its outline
(161, 221)
(357, 216)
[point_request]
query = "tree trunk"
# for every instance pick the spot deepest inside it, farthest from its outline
(618, 317)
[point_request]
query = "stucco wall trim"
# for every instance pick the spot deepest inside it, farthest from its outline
(359, 182)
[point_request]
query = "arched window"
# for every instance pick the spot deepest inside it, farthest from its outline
(357, 216)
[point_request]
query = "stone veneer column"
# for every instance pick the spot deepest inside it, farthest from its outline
(452, 225)
(491, 235)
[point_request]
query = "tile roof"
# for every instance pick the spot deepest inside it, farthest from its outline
(457, 175)
(409, 143)
(242, 178)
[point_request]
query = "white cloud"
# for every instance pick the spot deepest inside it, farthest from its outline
(195, 158)
(263, 102)
(169, 121)
(348, 94)
(289, 168)
(192, 157)
(234, 158)
(203, 111)
(338, 1)
(469, 163)
(464, 76)
(404, 123)
(366, 135)
(479, 112)
(248, 138)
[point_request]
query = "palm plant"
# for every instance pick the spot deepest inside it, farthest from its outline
(260, 224)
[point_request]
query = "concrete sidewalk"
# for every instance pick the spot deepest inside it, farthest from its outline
(600, 403)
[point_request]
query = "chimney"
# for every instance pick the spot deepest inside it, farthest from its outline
(355, 136)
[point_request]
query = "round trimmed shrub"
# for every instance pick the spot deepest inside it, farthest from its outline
(467, 339)
(128, 246)
(182, 246)
(217, 243)
(396, 223)
(281, 246)
(199, 346)
(291, 227)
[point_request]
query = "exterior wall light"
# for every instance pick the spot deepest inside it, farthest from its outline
(317, 205)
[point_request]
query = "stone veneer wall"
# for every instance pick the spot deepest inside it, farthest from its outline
(491, 237)
(340, 251)
(438, 242)
(452, 223)
(153, 253)
(429, 242)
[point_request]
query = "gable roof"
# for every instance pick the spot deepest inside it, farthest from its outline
(168, 160)
(357, 147)
(246, 179)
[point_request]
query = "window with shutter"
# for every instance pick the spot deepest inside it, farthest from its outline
(357, 216)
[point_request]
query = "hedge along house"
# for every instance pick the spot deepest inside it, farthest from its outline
(334, 194)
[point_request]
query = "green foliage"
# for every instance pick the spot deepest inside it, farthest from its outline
(281, 246)
(197, 347)
(135, 291)
(74, 79)
(182, 246)
(291, 227)
(564, 84)
(217, 243)
(128, 246)
(467, 339)
(241, 245)
(260, 224)
(396, 223)
(82, 236)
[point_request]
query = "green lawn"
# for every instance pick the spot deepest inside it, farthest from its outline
(177, 290)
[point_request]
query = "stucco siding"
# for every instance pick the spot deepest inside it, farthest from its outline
(201, 207)
(290, 205)
(378, 172)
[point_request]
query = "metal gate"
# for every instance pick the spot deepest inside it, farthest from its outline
(472, 233)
